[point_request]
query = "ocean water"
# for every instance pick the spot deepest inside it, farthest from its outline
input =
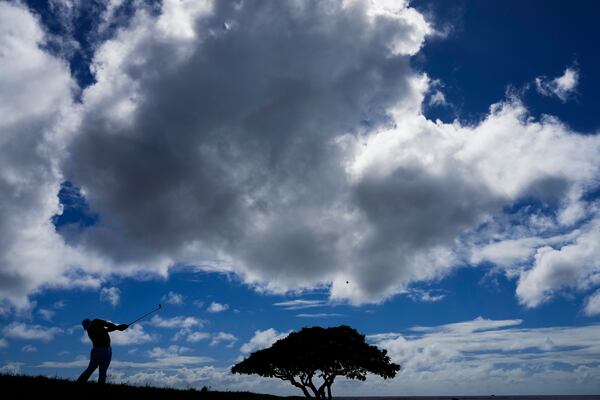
(472, 398)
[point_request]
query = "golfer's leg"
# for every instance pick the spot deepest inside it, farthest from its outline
(94, 362)
(104, 363)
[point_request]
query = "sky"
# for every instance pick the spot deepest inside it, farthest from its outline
(425, 172)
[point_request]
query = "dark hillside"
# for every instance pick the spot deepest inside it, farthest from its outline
(39, 387)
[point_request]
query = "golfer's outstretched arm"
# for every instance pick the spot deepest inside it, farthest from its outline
(109, 326)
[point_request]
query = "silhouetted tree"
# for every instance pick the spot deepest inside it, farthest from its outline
(317, 352)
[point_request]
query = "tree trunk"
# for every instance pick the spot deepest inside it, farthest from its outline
(327, 382)
(302, 387)
(306, 393)
(314, 389)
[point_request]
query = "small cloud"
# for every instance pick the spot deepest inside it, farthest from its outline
(319, 315)
(300, 304)
(111, 295)
(437, 99)
(194, 337)
(223, 337)
(380, 337)
(561, 87)
(436, 96)
(426, 296)
(217, 307)
(19, 330)
(3, 343)
(592, 305)
(73, 329)
(161, 352)
(178, 322)
(133, 335)
(199, 303)
(28, 349)
(262, 339)
(479, 324)
(173, 298)
(46, 314)
(59, 305)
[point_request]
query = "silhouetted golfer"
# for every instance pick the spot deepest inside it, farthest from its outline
(101, 353)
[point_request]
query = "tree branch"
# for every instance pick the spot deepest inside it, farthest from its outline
(311, 385)
(299, 385)
(322, 387)
(327, 382)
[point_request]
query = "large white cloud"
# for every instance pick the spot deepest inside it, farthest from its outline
(434, 194)
(229, 151)
(282, 141)
(38, 119)
(35, 89)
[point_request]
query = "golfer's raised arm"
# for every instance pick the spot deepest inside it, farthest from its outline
(109, 326)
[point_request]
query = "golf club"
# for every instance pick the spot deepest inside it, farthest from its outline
(145, 315)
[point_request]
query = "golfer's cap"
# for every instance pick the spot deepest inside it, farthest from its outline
(86, 323)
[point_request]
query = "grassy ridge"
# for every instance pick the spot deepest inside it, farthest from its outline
(36, 387)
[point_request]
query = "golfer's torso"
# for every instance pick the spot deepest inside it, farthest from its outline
(98, 335)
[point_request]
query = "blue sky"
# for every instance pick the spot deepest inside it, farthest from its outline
(426, 173)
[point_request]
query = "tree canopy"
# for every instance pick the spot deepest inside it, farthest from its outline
(312, 358)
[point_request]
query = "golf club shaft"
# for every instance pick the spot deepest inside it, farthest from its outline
(145, 315)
